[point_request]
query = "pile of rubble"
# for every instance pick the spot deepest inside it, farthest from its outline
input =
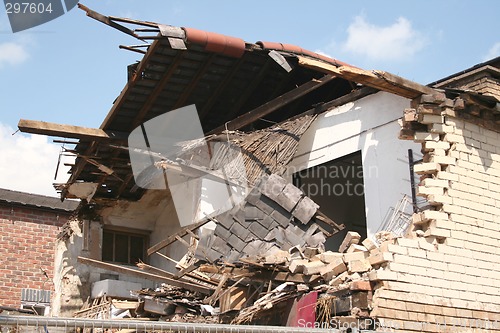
(265, 254)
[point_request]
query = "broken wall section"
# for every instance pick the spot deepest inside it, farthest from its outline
(445, 274)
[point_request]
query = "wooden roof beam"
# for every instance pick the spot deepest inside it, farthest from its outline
(377, 79)
(273, 105)
(69, 131)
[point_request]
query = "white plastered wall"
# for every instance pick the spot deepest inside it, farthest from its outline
(369, 125)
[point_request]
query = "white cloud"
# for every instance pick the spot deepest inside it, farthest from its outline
(493, 52)
(12, 53)
(29, 162)
(398, 41)
(323, 53)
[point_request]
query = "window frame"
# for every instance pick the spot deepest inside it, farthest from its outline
(129, 232)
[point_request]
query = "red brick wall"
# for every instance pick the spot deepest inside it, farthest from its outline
(27, 243)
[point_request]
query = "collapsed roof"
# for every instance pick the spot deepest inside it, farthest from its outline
(234, 85)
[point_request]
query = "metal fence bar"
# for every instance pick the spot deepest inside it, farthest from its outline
(73, 323)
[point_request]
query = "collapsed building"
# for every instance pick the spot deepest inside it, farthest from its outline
(334, 160)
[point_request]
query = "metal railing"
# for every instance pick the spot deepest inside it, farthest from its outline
(57, 324)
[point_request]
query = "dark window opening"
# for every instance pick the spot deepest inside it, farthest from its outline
(123, 247)
(337, 186)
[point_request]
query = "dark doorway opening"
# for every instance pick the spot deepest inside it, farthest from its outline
(337, 187)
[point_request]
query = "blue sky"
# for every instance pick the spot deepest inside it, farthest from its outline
(70, 70)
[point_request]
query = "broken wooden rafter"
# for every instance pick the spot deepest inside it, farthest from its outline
(69, 131)
(325, 219)
(108, 21)
(377, 79)
(172, 238)
(145, 275)
(273, 105)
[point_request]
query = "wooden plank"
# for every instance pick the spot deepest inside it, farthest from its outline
(273, 105)
(69, 131)
(144, 275)
(194, 275)
(172, 238)
(402, 82)
(187, 270)
(158, 271)
(377, 79)
(261, 275)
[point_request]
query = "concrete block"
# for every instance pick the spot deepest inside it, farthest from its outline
(352, 237)
(114, 288)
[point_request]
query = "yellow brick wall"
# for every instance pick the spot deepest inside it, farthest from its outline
(448, 267)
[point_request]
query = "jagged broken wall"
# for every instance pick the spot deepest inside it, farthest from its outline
(445, 275)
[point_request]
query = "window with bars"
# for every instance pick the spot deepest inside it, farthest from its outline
(123, 247)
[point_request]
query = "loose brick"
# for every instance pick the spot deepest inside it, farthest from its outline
(441, 233)
(356, 248)
(378, 257)
(381, 274)
(430, 119)
(354, 256)
(329, 256)
(426, 168)
(434, 215)
(297, 265)
(431, 145)
(332, 270)
(424, 136)
(369, 244)
(351, 237)
(454, 138)
(313, 267)
(358, 266)
(445, 160)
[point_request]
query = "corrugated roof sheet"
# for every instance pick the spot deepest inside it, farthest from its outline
(36, 200)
